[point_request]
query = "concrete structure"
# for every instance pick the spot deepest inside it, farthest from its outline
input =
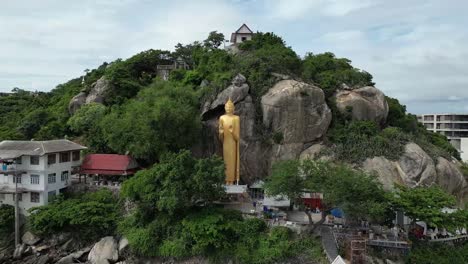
(453, 126)
(43, 169)
(242, 34)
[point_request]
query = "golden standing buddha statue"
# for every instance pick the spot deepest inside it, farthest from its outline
(229, 134)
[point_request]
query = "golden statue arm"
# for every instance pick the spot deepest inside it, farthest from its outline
(220, 130)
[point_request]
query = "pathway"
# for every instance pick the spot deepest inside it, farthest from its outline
(328, 243)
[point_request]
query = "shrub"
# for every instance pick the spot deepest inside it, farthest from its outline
(90, 216)
(7, 219)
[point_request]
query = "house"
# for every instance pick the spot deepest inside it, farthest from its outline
(242, 34)
(36, 170)
(108, 168)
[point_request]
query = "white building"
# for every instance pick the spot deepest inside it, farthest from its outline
(453, 126)
(242, 34)
(42, 168)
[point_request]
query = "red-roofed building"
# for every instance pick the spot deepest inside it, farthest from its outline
(108, 164)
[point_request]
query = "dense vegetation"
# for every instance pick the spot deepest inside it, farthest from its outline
(175, 216)
(357, 193)
(89, 216)
(7, 220)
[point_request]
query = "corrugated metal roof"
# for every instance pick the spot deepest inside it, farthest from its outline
(16, 148)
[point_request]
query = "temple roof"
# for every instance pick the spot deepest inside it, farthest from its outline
(108, 164)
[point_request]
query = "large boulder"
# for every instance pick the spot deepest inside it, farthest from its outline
(107, 249)
(388, 172)
(96, 94)
(414, 168)
(450, 178)
(296, 110)
(237, 91)
(30, 239)
(76, 102)
(367, 103)
(417, 166)
(98, 91)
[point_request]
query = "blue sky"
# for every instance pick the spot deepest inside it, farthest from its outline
(417, 50)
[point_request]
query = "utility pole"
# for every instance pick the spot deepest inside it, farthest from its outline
(17, 231)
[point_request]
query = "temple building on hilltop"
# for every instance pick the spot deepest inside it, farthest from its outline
(242, 34)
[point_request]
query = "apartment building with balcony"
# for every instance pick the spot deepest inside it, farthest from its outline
(453, 126)
(36, 171)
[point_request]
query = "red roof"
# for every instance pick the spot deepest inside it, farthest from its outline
(108, 164)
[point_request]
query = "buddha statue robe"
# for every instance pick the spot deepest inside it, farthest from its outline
(229, 134)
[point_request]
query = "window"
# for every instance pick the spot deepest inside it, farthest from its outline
(35, 198)
(19, 160)
(243, 39)
(34, 160)
(51, 196)
(20, 197)
(64, 176)
(64, 157)
(75, 155)
(51, 178)
(18, 179)
(51, 158)
(34, 179)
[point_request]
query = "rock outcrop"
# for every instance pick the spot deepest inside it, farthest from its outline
(416, 168)
(294, 110)
(30, 239)
(367, 103)
(450, 178)
(96, 94)
(107, 249)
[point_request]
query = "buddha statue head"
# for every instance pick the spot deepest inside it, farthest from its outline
(229, 107)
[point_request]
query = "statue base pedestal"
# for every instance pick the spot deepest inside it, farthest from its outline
(235, 189)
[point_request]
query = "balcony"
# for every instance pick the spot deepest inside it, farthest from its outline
(11, 170)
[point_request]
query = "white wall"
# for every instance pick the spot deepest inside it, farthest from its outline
(43, 170)
(240, 36)
(464, 149)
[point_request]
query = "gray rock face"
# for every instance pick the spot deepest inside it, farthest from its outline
(417, 167)
(300, 106)
(388, 172)
(297, 110)
(312, 152)
(76, 102)
(95, 95)
(450, 178)
(98, 90)
(368, 103)
(30, 239)
(237, 91)
(107, 249)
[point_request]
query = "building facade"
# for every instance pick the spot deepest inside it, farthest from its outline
(453, 126)
(242, 34)
(36, 171)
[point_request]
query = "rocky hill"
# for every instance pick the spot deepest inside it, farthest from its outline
(297, 117)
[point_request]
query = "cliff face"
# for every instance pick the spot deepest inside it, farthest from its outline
(294, 119)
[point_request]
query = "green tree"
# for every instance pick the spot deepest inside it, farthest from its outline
(357, 193)
(86, 118)
(178, 182)
(330, 72)
(286, 180)
(7, 219)
(214, 40)
(164, 117)
(423, 204)
(91, 216)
